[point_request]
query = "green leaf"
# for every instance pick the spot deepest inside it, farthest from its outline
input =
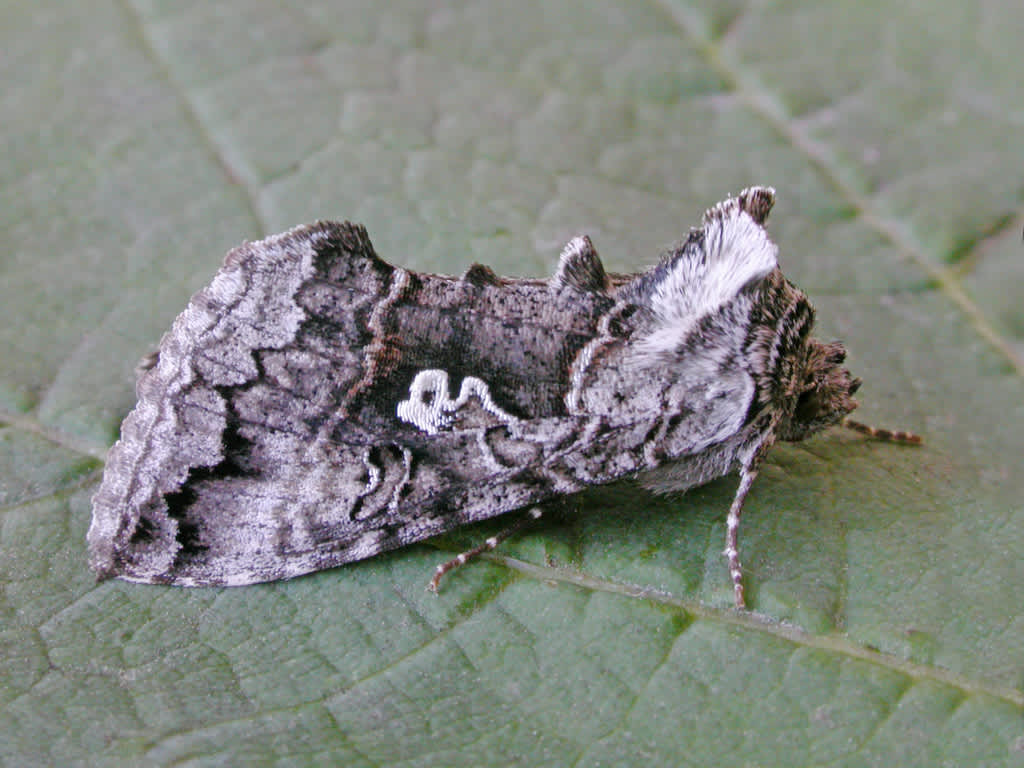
(145, 138)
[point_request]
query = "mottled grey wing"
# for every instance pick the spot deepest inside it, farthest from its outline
(266, 442)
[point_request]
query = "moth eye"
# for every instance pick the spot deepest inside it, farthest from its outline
(427, 397)
(808, 405)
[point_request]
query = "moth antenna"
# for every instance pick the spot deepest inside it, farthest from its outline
(888, 435)
(490, 543)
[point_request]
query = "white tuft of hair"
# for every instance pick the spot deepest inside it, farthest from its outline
(709, 273)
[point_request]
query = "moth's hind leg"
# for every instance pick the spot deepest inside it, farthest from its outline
(491, 543)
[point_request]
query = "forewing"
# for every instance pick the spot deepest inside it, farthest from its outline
(266, 442)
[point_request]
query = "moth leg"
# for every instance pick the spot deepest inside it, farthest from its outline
(732, 528)
(489, 544)
(889, 435)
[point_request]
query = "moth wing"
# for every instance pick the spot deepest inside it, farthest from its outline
(200, 400)
(267, 440)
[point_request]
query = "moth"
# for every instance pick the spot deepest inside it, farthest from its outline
(315, 405)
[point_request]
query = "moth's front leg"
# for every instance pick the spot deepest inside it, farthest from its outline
(732, 530)
(751, 465)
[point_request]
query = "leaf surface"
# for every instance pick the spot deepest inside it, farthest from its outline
(145, 138)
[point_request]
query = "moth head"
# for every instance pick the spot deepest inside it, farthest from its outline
(822, 391)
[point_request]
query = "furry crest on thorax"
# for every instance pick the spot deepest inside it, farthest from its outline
(724, 281)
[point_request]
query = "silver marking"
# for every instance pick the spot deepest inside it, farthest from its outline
(430, 407)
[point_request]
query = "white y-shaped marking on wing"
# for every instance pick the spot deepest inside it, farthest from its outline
(430, 407)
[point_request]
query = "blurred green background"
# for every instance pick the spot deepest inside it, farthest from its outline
(145, 138)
